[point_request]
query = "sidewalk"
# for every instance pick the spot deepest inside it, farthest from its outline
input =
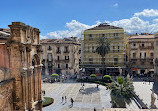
(144, 92)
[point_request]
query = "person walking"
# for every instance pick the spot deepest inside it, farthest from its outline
(65, 99)
(62, 98)
(44, 92)
(97, 86)
(94, 109)
(72, 102)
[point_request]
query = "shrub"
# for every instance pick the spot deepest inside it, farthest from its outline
(107, 78)
(55, 75)
(93, 75)
(120, 80)
(47, 101)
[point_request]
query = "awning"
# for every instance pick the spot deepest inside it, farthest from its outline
(133, 69)
(151, 69)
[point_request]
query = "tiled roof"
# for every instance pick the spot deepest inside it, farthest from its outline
(104, 26)
(65, 40)
(142, 37)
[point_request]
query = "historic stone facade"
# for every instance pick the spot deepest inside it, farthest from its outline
(22, 86)
(61, 56)
(141, 54)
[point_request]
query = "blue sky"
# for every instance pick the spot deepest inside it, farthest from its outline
(63, 18)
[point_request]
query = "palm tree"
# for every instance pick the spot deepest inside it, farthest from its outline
(121, 92)
(103, 49)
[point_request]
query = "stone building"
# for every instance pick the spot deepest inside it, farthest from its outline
(141, 54)
(20, 68)
(61, 56)
(156, 56)
(114, 60)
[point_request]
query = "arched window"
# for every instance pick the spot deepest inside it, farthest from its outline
(49, 48)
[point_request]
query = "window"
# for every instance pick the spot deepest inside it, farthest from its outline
(151, 54)
(103, 35)
(140, 55)
(93, 50)
(145, 55)
(134, 55)
(134, 62)
(66, 57)
(58, 58)
(58, 50)
(49, 48)
(58, 65)
(49, 56)
(134, 44)
(118, 48)
(142, 45)
(115, 34)
(90, 60)
(90, 35)
(66, 66)
(66, 49)
(152, 44)
(151, 63)
(115, 61)
(142, 63)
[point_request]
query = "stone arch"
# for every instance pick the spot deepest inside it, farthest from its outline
(35, 60)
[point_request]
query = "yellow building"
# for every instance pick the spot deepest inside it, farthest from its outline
(114, 60)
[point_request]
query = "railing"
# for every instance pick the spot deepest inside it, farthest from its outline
(66, 51)
(58, 52)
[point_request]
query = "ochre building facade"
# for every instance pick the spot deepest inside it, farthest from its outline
(114, 60)
(20, 68)
(141, 54)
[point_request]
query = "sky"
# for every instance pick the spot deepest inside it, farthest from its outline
(66, 18)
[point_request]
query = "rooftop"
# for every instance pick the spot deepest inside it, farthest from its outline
(65, 40)
(104, 26)
(142, 37)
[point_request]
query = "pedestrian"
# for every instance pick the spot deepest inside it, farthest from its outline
(94, 109)
(72, 102)
(157, 95)
(65, 99)
(62, 98)
(97, 85)
(44, 92)
(149, 81)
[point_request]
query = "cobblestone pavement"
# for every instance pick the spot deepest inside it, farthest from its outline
(143, 90)
(83, 101)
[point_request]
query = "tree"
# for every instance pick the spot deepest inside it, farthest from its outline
(121, 92)
(103, 49)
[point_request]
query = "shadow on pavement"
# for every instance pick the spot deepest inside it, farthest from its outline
(90, 90)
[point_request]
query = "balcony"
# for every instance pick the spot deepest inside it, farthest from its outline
(62, 61)
(66, 51)
(146, 47)
(58, 52)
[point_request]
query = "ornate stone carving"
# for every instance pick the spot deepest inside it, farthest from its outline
(15, 33)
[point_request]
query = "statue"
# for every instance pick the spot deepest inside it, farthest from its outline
(153, 98)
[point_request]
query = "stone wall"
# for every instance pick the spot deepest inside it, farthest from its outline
(6, 95)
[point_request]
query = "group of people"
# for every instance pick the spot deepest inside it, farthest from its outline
(65, 98)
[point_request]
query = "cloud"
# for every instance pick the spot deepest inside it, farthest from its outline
(132, 25)
(74, 29)
(155, 20)
(135, 24)
(115, 5)
(147, 13)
